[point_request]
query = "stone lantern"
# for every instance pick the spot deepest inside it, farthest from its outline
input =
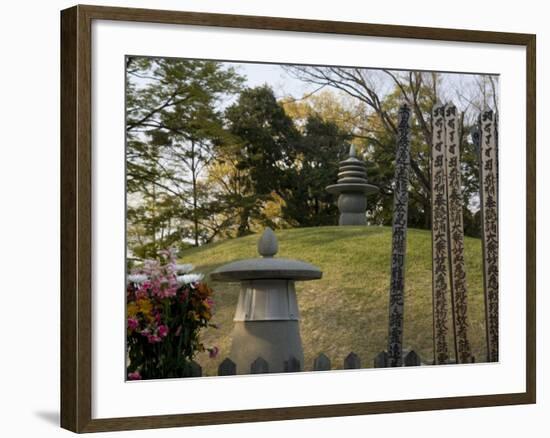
(267, 320)
(352, 190)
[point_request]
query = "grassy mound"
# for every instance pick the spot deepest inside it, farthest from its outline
(347, 310)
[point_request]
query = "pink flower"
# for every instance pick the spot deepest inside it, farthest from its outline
(156, 288)
(141, 293)
(134, 376)
(153, 339)
(151, 267)
(213, 352)
(143, 290)
(170, 291)
(163, 331)
(171, 269)
(133, 323)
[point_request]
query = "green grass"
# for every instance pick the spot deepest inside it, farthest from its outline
(347, 310)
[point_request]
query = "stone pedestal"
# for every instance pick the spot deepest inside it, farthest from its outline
(267, 319)
(352, 190)
(352, 206)
(274, 341)
(267, 324)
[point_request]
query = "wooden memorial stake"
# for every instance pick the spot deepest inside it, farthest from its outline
(439, 237)
(399, 239)
(489, 219)
(459, 291)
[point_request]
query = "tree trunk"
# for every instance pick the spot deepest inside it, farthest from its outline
(243, 222)
(195, 195)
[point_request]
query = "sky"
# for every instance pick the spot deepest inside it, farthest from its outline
(285, 85)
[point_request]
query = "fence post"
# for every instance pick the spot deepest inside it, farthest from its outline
(412, 359)
(352, 362)
(227, 368)
(292, 365)
(259, 366)
(381, 360)
(195, 368)
(321, 363)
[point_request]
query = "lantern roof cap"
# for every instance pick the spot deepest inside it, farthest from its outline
(352, 176)
(267, 266)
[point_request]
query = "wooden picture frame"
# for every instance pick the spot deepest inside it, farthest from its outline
(76, 217)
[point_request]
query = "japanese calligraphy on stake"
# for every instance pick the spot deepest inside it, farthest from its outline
(399, 238)
(439, 236)
(459, 292)
(489, 218)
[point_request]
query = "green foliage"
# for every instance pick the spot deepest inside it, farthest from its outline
(268, 137)
(280, 161)
(323, 145)
(267, 151)
(172, 127)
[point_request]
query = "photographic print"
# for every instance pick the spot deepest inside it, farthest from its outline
(338, 215)
(288, 218)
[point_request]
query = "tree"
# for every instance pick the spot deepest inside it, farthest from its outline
(323, 146)
(283, 164)
(264, 151)
(354, 125)
(173, 125)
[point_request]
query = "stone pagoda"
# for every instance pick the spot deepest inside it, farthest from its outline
(267, 320)
(352, 190)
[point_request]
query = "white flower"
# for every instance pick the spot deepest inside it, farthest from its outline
(183, 269)
(190, 278)
(137, 278)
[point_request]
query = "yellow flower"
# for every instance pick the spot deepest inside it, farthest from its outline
(146, 307)
(132, 310)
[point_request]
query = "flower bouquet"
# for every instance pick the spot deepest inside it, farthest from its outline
(167, 306)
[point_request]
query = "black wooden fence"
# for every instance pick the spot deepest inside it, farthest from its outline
(321, 363)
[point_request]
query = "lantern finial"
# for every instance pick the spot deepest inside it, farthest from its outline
(268, 245)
